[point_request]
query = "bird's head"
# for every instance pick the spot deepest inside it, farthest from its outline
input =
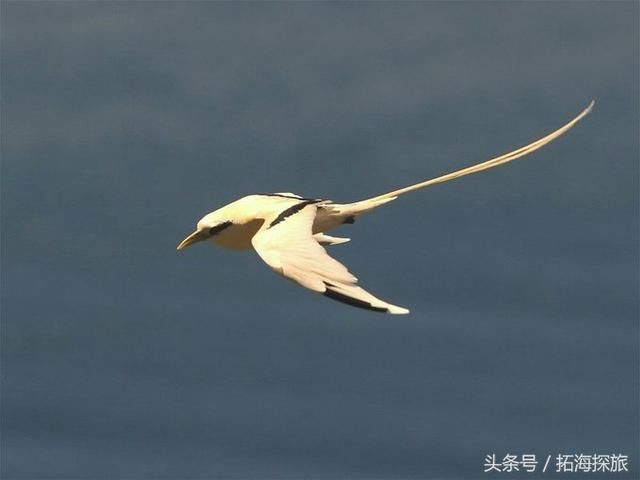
(231, 226)
(208, 227)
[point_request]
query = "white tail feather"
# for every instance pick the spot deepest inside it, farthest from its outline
(323, 239)
(494, 162)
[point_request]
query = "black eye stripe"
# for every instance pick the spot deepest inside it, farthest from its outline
(218, 228)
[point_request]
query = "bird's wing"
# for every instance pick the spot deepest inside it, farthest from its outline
(290, 249)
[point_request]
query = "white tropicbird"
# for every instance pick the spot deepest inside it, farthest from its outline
(288, 230)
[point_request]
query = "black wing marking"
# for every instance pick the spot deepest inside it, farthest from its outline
(291, 196)
(354, 302)
(291, 211)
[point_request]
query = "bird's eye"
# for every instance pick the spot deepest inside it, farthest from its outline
(218, 228)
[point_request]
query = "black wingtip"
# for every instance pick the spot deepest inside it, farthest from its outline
(354, 302)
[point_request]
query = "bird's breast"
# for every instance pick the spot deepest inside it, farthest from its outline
(238, 236)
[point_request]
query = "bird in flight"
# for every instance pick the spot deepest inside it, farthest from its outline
(289, 232)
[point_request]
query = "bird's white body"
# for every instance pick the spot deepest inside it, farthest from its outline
(288, 231)
(249, 214)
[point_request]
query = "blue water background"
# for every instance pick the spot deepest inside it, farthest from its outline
(124, 122)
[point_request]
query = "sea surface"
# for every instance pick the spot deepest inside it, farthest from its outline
(124, 122)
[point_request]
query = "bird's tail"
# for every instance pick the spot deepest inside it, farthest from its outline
(364, 206)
